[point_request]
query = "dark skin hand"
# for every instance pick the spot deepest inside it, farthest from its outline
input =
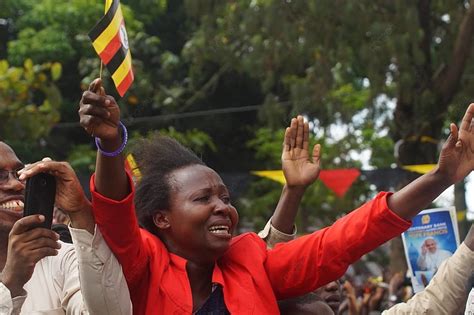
(300, 171)
(455, 162)
(69, 194)
(99, 116)
(352, 298)
(26, 246)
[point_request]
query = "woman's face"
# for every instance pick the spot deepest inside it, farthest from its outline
(201, 217)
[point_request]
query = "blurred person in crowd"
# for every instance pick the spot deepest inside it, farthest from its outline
(431, 256)
(300, 173)
(309, 304)
(39, 274)
(353, 305)
(186, 251)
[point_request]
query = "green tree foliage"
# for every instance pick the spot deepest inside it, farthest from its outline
(29, 100)
(307, 52)
(52, 31)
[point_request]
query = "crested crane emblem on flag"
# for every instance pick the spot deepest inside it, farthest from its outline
(110, 41)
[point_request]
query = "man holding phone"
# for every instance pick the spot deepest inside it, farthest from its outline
(38, 272)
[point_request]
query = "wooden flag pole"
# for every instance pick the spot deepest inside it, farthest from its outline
(101, 62)
(101, 68)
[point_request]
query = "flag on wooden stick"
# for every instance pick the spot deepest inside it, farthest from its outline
(110, 41)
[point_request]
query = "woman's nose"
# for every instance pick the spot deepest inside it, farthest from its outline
(221, 207)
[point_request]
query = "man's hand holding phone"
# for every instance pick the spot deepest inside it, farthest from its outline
(27, 244)
(70, 196)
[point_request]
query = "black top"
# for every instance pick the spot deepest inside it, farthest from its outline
(215, 304)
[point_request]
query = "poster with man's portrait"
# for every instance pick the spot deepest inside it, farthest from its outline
(433, 238)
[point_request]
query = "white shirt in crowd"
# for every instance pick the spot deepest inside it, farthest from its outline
(55, 287)
(470, 304)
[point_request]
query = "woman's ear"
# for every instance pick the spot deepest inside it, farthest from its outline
(161, 220)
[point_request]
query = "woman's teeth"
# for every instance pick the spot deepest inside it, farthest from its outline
(219, 229)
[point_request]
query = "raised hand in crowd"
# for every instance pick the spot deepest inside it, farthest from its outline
(354, 307)
(300, 170)
(455, 162)
(100, 117)
(376, 296)
(99, 113)
(394, 286)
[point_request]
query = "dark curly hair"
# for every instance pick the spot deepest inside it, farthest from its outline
(157, 157)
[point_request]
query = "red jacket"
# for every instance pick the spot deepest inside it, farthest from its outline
(253, 278)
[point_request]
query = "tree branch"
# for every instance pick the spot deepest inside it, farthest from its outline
(424, 18)
(447, 80)
(202, 92)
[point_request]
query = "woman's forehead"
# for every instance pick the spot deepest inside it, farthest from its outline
(196, 177)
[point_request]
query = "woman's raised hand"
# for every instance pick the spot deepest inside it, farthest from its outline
(456, 159)
(99, 113)
(299, 169)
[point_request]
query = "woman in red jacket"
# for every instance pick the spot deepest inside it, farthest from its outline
(185, 261)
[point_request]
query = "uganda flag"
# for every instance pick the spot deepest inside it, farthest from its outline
(132, 167)
(110, 41)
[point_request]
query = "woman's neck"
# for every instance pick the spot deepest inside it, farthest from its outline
(200, 280)
(199, 267)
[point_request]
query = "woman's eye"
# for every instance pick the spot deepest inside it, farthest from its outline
(225, 199)
(202, 199)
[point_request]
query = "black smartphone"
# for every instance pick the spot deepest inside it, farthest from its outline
(40, 193)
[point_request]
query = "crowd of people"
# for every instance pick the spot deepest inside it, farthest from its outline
(167, 245)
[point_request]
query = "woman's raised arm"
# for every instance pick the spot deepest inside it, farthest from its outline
(100, 117)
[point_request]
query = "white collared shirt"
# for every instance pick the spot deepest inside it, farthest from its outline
(55, 289)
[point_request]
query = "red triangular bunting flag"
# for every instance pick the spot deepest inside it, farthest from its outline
(339, 180)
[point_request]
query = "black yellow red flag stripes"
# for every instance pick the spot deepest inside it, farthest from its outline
(110, 41)
(132, 167)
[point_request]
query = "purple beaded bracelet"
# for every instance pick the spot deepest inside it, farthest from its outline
(122, 146)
